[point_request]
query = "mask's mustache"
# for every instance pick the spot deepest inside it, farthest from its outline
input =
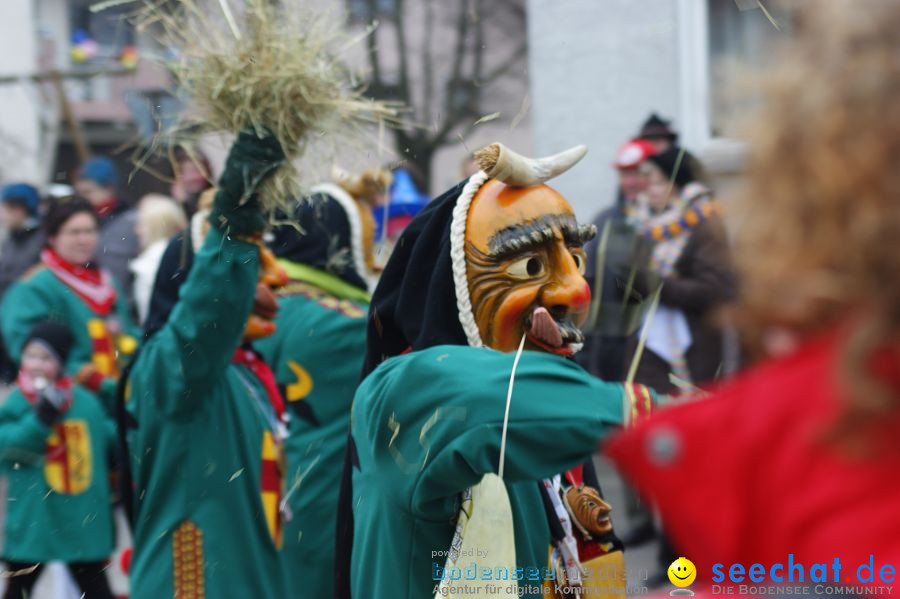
(555, 333)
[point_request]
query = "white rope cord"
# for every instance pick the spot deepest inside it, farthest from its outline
(458, 258)
(356, 234)
(509, 390)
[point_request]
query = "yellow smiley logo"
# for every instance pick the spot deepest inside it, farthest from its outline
(682, 572)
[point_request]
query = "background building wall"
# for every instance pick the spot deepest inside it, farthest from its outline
(19, 124)
(597, 70)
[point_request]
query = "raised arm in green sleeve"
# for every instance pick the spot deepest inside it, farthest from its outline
(193, 349)
(196, 344)
(434, 418)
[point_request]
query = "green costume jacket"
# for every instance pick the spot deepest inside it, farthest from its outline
(427, 426)
(55, 482)
(205, 456)
(317, 355)
(40, 296)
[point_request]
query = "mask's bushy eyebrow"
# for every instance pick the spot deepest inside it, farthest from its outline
(578, 234)
(516, 239)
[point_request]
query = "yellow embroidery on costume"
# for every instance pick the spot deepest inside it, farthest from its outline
(271, 482)
(304, 385)
(187, 561)
(103, 348)
(68, 467)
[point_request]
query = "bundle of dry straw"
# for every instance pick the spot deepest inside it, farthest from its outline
(263, 64)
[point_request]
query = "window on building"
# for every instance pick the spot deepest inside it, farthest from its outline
(365, 11)
(741, 39)
(108, 28)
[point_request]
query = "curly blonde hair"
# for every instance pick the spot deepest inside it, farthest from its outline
(821, 209)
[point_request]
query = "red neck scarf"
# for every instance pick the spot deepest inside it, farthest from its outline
(30, 391)
(106, 208)
(94, 286)
(258, 366)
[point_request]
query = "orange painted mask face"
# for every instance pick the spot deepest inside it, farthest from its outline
(265, 303)
(525, 268)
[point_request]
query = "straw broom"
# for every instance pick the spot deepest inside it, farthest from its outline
(266, 66)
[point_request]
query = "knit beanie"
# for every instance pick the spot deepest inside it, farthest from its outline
(54, 337)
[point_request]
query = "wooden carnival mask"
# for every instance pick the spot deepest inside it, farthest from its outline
(589, 511)
(523, 255)
(265, 304)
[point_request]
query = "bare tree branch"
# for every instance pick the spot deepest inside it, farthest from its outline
(451, 120)
(399, 22)
(372, 49)
(478, 46)
(448, 52)
(428, 68)
(458, 55)
(503, 67)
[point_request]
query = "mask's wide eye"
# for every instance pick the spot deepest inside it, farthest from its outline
(579, 261)
(526, 268)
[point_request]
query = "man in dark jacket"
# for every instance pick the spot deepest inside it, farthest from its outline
(21, 249)
(615, 319)
(97, 182)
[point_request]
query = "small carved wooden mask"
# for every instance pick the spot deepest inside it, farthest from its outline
(265, 304)
(589, 509)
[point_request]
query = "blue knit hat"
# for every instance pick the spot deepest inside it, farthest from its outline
(22, 193)
(101, 171)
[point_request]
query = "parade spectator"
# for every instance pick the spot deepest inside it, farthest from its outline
(604, 351)
(193, 176)
(24, 241)
(21, 248)
(799, 457)
(158, 219)
(69, 287)
(625, 257)
(55, 442)
(98, 181)
(658, 132)
(690, 257)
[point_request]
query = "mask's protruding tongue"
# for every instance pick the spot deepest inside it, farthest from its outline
(543, 327)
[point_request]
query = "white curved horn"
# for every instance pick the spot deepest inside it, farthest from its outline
(501, 163)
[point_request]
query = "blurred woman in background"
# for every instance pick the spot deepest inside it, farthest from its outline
(800, 455)
(69, 287)
(159, 219)
(193, 176)
(690, 258)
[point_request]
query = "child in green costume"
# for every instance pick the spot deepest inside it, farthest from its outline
(55, 441)
(206, 453)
